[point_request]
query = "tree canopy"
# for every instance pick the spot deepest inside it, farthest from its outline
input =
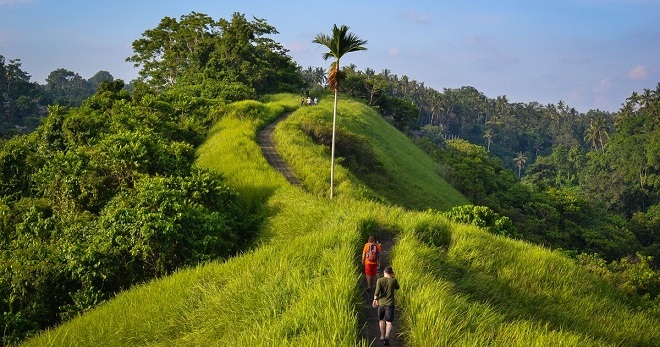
(233, 59)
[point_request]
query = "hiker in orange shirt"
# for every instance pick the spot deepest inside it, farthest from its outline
(371, 260)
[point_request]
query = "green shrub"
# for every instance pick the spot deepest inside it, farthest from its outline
(632, 275)
(165, 223)
(433, 232)
(483, 217)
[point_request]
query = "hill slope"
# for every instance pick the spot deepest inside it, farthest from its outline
(372, 154)
(299, 285)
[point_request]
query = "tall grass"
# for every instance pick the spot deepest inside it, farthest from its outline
(413, 179)
(231, 149)
(460, 286)
(300, 293)
(488, 290)
(299, 288)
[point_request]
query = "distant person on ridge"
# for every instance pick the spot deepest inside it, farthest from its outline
(384, 300)
(371, 260)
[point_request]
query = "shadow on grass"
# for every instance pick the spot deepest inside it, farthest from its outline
(516, 304)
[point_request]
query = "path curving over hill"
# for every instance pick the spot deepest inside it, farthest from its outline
(368, 316)
(267, 143)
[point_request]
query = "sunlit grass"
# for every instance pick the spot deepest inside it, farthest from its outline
(413, 178)
(460, 286)
(231, 149)
(489, 290)
(301, 292)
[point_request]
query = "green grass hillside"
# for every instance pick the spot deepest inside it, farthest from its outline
(380, 162)
(298, 284)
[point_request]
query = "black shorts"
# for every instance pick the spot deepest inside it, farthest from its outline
(386, 313)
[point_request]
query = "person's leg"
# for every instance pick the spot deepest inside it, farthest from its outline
(383, 328)
(389, 318)
(367, 276)
(371, 273)
(381, 322)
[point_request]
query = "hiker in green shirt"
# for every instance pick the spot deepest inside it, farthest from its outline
(384, 300)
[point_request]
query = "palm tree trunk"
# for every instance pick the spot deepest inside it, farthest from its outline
(332, 154)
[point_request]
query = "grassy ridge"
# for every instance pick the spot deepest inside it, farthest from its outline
(299, 287)
(412, 177)
(300, 292)
(489, 290)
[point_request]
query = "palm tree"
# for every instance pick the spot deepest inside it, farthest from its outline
(626, 111)
(489, 138)
(320, 76)
(340, 43)
(520, 160)
(308, 76)
(597, 133)
(502, 113)
(646, 98)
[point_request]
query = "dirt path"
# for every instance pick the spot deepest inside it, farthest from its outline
(267, 144)
(369, 317)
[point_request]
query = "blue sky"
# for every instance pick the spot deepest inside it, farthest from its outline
(589, 53)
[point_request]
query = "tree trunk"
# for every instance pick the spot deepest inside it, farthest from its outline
(334, 127)
(332, 152)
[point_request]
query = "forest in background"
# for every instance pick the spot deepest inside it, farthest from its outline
(581, 182)
(98, 151)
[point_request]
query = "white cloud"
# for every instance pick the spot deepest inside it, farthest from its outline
(480, 42)
(393, 52)
(602, 86)
(575, 95)
(601, 102)
(638, 73)
(415, 17)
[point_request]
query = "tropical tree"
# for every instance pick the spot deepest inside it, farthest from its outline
(597, 133)
(340, 43)
(67, 88)
(307, 76)
(520, 161)
(502, 105)
(12, 77)
(21, 101)
(233, 59)
(95, 81)
(489, 138)
(174, 48)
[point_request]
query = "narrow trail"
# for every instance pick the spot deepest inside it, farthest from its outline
(368, 315)
(267, 143)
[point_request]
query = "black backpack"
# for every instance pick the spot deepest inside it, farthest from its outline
(372, 253)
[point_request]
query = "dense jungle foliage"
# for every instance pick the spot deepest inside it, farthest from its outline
(488, 290)
(105, 195)
(100, 192)
(588, 184)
